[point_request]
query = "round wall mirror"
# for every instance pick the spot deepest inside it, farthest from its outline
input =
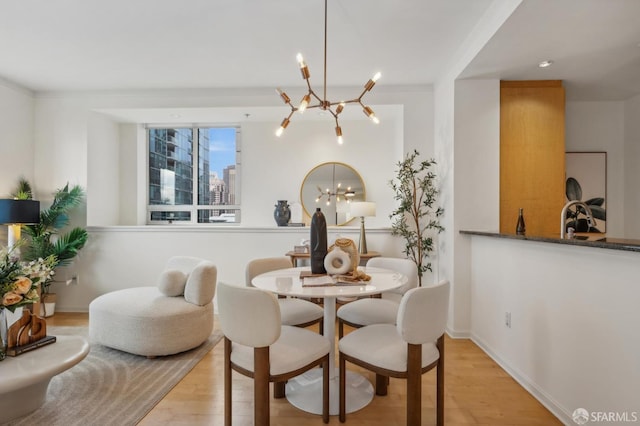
(332, 186)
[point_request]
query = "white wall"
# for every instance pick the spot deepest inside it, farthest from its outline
(122, 257)
(90, 139)
(17, 147)
(631, 195)
(573, 340)
(599, 126)
(476, 181)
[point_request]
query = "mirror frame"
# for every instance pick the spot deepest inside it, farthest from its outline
(309, 210)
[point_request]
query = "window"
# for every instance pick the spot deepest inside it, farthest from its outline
(188, 185)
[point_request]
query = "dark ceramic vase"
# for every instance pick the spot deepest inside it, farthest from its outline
(318, 242)
(282, 213)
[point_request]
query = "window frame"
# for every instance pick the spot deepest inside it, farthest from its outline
(194, 207)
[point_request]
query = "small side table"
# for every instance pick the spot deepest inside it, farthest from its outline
(25, 378)
(295, 257)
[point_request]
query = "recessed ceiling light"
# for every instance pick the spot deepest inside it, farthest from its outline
(545, 64)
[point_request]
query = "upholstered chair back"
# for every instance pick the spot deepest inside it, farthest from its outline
(405, 266)
(191, 277)
(267, 264)
(248, 316)
(422, 315)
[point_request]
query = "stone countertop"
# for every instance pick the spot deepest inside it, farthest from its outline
(583, 240)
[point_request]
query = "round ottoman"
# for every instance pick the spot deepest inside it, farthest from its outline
(146, 321)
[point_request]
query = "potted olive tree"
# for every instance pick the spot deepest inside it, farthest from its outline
(416, 217)
(47, 237)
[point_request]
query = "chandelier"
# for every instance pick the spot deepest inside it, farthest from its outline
(337, 193)
(334, 108)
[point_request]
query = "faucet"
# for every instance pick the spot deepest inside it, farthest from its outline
(563, 216)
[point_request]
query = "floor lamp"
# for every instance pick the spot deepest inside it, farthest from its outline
(363, 209)
(16, 213)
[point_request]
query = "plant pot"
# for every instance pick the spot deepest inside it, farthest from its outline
(48, 305)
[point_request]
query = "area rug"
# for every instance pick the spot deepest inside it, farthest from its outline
(110, 387)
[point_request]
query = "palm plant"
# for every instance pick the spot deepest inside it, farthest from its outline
(416, 217)
(45, 238)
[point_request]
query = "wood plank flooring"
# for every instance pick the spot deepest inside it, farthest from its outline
(478, 392)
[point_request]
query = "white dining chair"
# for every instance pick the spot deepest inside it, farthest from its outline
(406, 350)
(294, 311)
(257, 345)
(382, 310)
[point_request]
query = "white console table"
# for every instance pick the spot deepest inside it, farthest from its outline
(24, 379)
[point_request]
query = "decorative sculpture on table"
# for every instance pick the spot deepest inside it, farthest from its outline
(28, 333)
(343, 259)
(318, 242)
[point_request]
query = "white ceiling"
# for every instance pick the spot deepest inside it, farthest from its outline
(62, 45)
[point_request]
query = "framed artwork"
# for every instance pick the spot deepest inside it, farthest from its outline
(586, 181)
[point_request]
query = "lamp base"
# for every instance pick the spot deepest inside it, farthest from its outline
(362, 244)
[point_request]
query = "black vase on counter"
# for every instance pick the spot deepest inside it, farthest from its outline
(520, 228)
(282, 213)
(318, 245)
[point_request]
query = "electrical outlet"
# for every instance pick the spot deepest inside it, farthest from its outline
(507, 319)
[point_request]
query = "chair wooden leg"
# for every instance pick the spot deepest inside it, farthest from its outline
(325, 390)
(340, 329)
(321, 327)
(381, 384)
(414, 385)
(343, 389)
(279, 390)
(261, 386)
(227, 382)
(440, 383)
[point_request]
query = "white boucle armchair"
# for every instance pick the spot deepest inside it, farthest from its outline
(171, 317)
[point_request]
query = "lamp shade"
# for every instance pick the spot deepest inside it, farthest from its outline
(19, 211)
(363, 209)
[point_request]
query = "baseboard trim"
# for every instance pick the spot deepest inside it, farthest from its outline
(543, 397)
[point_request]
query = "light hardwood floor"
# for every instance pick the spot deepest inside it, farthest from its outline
(477, 392)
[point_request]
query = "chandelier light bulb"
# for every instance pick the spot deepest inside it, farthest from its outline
(283, 95)
(376, 77)
(339, 108)
(304, 103)
(283, 126)
(369, 113)
(300, 60)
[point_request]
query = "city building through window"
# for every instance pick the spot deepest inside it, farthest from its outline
(189, 185)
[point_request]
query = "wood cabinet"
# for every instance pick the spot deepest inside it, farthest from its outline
(532, 155)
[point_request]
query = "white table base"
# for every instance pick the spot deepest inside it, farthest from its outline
(304, 392)
(24, 379)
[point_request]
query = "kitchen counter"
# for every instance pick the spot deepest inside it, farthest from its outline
(583, 240)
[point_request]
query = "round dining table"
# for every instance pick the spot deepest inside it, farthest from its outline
(305, 391)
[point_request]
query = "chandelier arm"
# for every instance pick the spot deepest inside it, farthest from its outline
(312, 93)
(362, 94)
(325, 51)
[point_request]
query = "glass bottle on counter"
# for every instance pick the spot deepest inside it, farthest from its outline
(520, 227)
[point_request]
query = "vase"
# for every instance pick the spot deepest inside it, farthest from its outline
(282, 213)
(4, 334)
(48, 305)
(318, 242)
